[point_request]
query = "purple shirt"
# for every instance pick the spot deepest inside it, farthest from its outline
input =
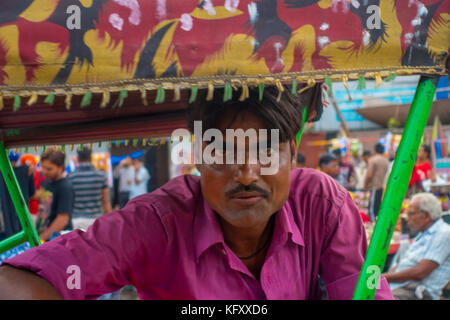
(169, 245)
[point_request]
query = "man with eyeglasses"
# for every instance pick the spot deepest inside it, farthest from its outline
(328, 163)
(425, 268)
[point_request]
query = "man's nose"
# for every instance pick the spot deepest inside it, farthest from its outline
(247, 173)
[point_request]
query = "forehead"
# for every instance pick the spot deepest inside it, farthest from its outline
(415, 204)
(233, 118)
(48, 164)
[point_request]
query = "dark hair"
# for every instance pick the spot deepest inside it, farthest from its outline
(337, 152)
(379, 148)
(300, 157)
(84, 155)
(326, 158)
(54, 156)
(285, 115)
(427, 149)
(366, 153)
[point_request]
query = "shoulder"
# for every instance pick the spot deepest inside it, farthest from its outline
(65, 184)
(21, 171)
(444, 231)
(180, 195)
(307, 182)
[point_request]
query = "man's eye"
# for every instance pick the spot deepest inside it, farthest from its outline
(218, 152)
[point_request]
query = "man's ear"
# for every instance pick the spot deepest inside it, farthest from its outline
(426, 214)
(315, 107)
(199, 168)
(294, 154)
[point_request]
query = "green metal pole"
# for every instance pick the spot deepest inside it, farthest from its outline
(396, 189)
(304, 118)
(13, 241)
(21, 207)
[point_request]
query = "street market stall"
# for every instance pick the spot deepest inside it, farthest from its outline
(89, 71)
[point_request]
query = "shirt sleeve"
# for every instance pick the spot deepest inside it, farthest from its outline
(105, 181)
(115, 251)
(143, 175)
(439, 250)
(344, 252)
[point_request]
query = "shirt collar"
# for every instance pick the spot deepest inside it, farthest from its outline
(207, 230)
(285, 225)
(434, 227)
(85, 166)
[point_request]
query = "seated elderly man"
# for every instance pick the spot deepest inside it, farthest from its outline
(424, 269)
(251, 229)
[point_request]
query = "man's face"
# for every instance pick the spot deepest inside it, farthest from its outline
(137, 163)
(421, 154)
(366, 158)
(331, 168)
(417, 220)
(238, 193)
(51, 171)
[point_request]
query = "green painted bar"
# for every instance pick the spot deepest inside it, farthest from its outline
(18, 199)
(13, 241)
(305, 117)
(396, 189)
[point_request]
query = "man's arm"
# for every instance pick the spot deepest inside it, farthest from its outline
(99, 258)
(369, 174)
(343, 251)
(36, 195)
(137, 176)
(106, 202)
(61, 220)
(417, 273)
(18, 284)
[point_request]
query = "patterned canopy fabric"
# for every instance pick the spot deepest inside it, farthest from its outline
(95, 44)
(63, 56)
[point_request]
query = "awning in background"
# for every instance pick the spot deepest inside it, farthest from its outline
(381, 115)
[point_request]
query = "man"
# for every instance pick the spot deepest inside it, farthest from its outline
(31, 162)
(208, 237)
(328, 164)
(10, 223)
(376, 171)
(346, 176)
(141, 178)
(424, 270)
(125, 172)
(300, 160)
(422, 169)
(361, 170)
(91, 192)
(57, 195)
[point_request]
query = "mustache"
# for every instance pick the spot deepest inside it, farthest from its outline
(250, 188)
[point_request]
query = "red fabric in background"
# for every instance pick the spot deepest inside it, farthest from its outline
(34, 204)
(420, 172)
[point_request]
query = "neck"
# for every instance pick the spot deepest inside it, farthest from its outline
(246, 241)
(422, 161)
(428, 225)
(59, 177)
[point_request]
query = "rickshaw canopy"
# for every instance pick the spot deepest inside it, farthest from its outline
(75, 70)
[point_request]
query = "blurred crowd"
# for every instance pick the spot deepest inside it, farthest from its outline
(366, 175)
(59, 201)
